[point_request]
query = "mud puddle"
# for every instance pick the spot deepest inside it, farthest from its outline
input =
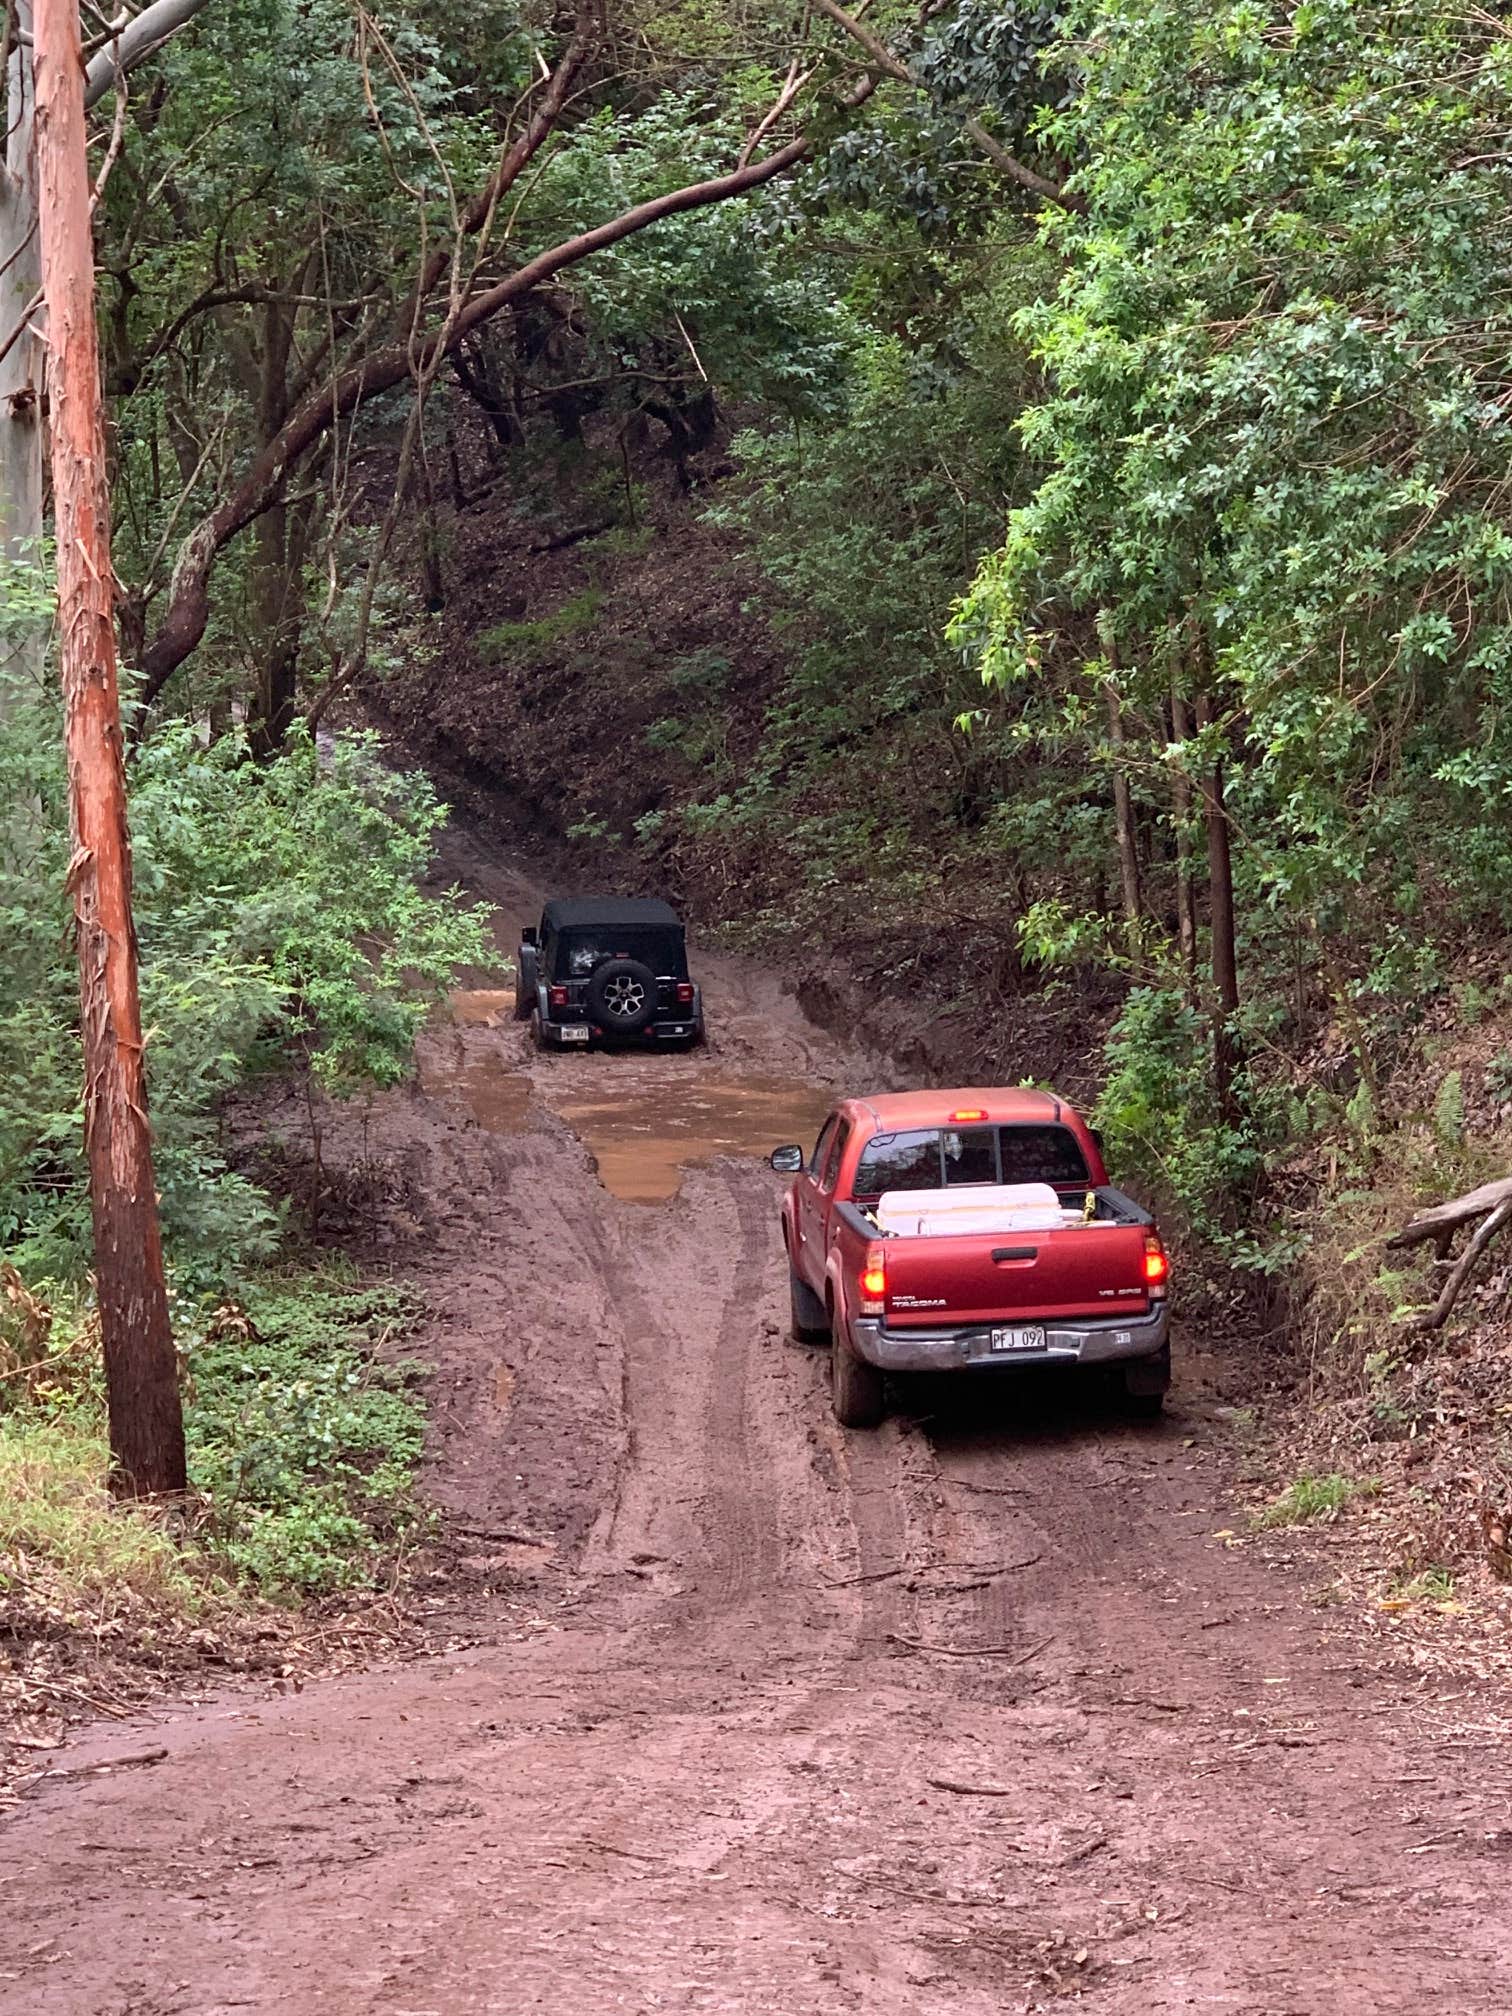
(643, 1137)
(481, 1007)
(497, 1098)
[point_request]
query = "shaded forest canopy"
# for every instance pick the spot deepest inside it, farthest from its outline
(1103, 410)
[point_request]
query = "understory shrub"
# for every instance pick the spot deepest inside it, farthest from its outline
(281, 925)
(304, 1431)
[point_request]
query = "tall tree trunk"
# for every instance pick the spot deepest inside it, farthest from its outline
(275, 634)
(23, 645)
(1221, 921)
(432, 573)
(1123, 818)
(141, 1375)
(1181, 819)
(1125, 837)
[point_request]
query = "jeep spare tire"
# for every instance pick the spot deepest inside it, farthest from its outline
(622, 996)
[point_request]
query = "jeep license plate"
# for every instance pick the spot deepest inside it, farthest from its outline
(1019, 1340)
(574, 1034)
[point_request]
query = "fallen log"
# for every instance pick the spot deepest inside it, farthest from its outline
(1491, 1203)
(1458, 1211)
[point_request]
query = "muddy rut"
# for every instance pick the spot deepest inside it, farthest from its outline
(973, 1714)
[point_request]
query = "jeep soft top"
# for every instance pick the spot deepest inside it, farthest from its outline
(607, 968)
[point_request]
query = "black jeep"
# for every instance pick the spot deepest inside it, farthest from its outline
(607, 968)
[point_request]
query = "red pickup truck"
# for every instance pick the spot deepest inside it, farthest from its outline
(969, 1230)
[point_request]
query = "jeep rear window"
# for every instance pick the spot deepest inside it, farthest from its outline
(587, 946)
(929, 1158)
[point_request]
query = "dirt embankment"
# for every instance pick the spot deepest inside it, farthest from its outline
(977, 1713)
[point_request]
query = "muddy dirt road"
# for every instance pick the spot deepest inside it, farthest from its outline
(970, 1715)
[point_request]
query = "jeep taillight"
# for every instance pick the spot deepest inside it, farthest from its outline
(1156, 1265)
(557, 996)
(874, 1280)
(685, 993)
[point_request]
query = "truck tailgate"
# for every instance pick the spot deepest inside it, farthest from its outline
(1079, 1270)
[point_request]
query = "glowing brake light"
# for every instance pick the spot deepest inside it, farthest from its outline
(874, 1280)
(969, 1113)
(1156, 1265)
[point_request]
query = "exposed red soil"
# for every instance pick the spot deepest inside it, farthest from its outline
(972, 1714)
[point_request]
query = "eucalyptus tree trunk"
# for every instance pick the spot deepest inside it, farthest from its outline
(141, 1372)
(23, 639)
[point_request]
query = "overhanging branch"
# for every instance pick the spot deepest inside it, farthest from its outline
(187, 612)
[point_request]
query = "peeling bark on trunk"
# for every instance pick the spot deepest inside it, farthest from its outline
(141, 1374)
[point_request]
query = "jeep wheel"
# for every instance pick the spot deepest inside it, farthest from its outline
(809, 1325)
(622, 996)
(855, 1387)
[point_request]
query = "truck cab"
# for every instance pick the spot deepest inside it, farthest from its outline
(971, 1230)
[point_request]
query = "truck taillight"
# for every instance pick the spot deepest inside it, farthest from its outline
(685, 993)
(874, 1281)
(557, 996)
(1156, 1265)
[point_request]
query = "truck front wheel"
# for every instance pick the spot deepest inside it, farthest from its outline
(855, 1387)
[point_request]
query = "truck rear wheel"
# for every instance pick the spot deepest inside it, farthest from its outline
(1143, 1406)
(855, 1387)
(1144, 1385)
(810, 1325)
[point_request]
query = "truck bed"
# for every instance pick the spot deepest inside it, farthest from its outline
(1085, 1268)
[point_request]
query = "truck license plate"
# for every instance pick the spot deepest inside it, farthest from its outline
(1019, 1340)
(577, 1034)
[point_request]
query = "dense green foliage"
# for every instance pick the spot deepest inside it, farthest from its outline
(281, 925)
(1272, 448)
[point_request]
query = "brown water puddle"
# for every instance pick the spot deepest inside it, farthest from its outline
(643, 1137)
(498, 1100)
(481, 1007)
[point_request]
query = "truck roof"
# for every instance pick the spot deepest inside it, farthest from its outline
(1004, 1104)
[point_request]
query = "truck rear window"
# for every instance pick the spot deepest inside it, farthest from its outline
(930, 1158)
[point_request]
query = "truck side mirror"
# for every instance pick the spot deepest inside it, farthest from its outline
(1097, 1138)
(787, 1161)
(528, 935)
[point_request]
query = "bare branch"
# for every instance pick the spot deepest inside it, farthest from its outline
(1458, 1211)
(1464, 1267)
(149, 30)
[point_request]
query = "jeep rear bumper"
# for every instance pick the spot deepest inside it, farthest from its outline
(968, 1346)
(580, 1035)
